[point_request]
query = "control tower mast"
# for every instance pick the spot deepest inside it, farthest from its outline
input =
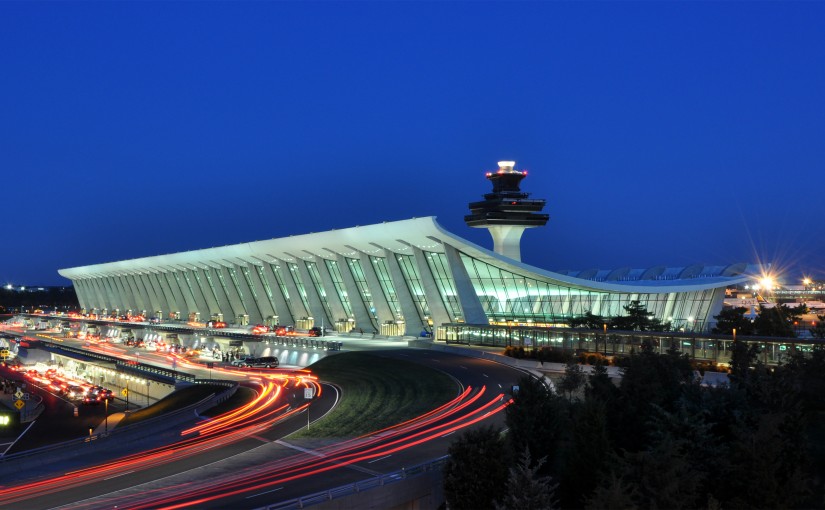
(507, 211)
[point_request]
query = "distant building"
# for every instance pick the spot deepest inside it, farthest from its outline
(400, 278)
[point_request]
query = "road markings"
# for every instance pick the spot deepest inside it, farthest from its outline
(262, 493)
(381, 458)
(121, 474)
(485, 375)
(448, 433)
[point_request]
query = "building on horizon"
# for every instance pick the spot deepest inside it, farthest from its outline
(399, 278)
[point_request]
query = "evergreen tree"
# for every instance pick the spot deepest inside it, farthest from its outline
(818, 331)
(537, 420)
(637, 318)
(599, 385)
(526, 490)
(476, 473)
(733, 318)
(778, 320)
(589, 453)
(612, 493)
(573, 378)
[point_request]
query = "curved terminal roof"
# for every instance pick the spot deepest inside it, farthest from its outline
(426, 234)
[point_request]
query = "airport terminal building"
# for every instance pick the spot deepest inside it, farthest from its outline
(399, 278)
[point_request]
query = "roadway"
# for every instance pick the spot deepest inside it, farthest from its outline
(251, 464)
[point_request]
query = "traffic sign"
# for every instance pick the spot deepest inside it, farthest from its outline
(309, 393)
(124, 392)
(19, 404)
(19, 393)
(25, 396)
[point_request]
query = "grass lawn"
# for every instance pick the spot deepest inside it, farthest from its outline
(241, 397)
(376, 392)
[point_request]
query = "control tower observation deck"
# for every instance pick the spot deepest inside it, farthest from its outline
(507, 211)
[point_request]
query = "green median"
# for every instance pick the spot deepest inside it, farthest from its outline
(377, 392)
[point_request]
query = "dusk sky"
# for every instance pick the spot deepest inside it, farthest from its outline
(659, 133)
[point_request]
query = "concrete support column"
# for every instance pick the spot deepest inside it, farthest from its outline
(251, 300)
(282, 310)
(363, 319)
(333, 299)
(136, 283)
(298, 308)
(208, 294)
(261, 296)
(178, 304)
(232, 293)
(81, 293)
(197, 293)
(151, 299)
(467, 297)
(223, 301)
(110, 292)
(313, 298)
(382, 307)
(162, 290)
(136, 297)
(190, 305)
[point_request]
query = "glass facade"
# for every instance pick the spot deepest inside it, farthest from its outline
(410, 272)
(387, 287)
(299, 284)
(262, 277)
(338, 282)
(508, 296)
(315, 276)
(446, 286)
(361, 282)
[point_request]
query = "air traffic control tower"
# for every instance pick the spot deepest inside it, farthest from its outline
(507, 211)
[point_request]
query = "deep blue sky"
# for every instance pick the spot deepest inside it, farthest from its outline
(659, 133)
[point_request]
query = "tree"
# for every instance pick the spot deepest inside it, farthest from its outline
(733, 318)
(589, 453)
(526, 490)
(599, 385)
(649, 380)
(573, 378)
(536, 421)
(778, 320)
(476, 473)
(818, 331)
(637, 318)
(588, 320)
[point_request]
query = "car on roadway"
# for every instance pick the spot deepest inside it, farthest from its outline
(263, 362)
(260, 329)
(75, 392)
(216, 324)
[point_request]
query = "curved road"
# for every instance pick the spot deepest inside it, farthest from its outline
(252, 466)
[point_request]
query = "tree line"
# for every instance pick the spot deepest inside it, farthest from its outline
(655, 439)
(778, 321)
